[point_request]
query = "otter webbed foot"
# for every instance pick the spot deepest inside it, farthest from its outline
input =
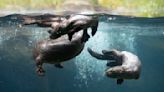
(85, 38)
(59, 66)
(40, 71)
(70, 36)
(120, 81)
(94, 28)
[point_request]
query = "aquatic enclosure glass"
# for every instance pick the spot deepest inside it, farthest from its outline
(142, 36)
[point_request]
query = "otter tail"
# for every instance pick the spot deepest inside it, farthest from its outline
(97, 55)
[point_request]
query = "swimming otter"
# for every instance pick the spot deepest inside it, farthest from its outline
(74, 24)
(126, 64)
(57, 51)
(65, 24)
(42, 20)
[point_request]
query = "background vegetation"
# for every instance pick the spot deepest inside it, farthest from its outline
(148, 8)
(30, 3)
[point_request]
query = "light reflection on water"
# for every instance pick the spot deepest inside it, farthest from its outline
(83, 73)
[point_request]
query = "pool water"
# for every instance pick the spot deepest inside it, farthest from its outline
(141, 36)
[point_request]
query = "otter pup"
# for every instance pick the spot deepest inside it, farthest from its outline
(74, 24)
(126, 65)
(57, 51)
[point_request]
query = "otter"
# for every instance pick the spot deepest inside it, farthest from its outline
(56, 51)
(126, 65)
(74, 24)
(42, 20)
(61, 25)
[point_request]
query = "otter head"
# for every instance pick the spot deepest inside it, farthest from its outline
(116, 72)
(56, 29)
(110, 73)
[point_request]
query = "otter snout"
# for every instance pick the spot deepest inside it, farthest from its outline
(54, 36)
(112, 74)
(109, 73)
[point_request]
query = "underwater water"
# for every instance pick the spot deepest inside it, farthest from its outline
(142, 36)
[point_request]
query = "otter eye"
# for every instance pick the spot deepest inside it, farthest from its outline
(49, 31)
(60, 30)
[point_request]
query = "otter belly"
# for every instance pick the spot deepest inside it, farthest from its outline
(61, 53)
(60, 50)
(130, 68)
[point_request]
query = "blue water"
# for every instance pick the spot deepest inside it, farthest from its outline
(142, 36)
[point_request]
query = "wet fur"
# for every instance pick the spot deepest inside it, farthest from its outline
(126, 65)
(57, 51)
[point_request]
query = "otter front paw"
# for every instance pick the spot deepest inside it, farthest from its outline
(40, 71)
(59, 66)
(85, 38)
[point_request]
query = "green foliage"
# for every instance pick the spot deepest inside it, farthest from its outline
(94, 2)
(30, 3)
(148, 8)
